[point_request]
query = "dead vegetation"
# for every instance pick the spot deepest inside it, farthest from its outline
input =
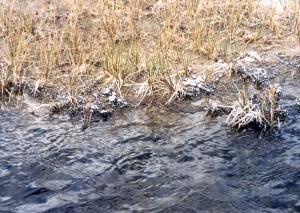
(259, 110)
(142, 47)
(145, 50)
(257, 99)
(88, 106)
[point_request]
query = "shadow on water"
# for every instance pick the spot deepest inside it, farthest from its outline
(144, 161)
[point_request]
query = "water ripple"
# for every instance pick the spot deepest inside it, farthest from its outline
(145, 161)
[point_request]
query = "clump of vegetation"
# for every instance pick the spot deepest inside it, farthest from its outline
(88, 106)
(250, 68)
(189, 87)
(258, 101)
(260, 110)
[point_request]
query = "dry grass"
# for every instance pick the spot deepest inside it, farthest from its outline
(261, 110)
(141, 47)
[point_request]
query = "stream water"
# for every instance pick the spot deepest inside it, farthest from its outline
(148, 161)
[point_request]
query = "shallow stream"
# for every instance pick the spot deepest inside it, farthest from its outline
(148, 161)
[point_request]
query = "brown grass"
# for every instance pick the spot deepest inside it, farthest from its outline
(141, 47)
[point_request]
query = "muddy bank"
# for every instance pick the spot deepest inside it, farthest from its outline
(246, 90)
(252, 94)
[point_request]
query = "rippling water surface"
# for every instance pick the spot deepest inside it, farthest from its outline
(148, 161)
